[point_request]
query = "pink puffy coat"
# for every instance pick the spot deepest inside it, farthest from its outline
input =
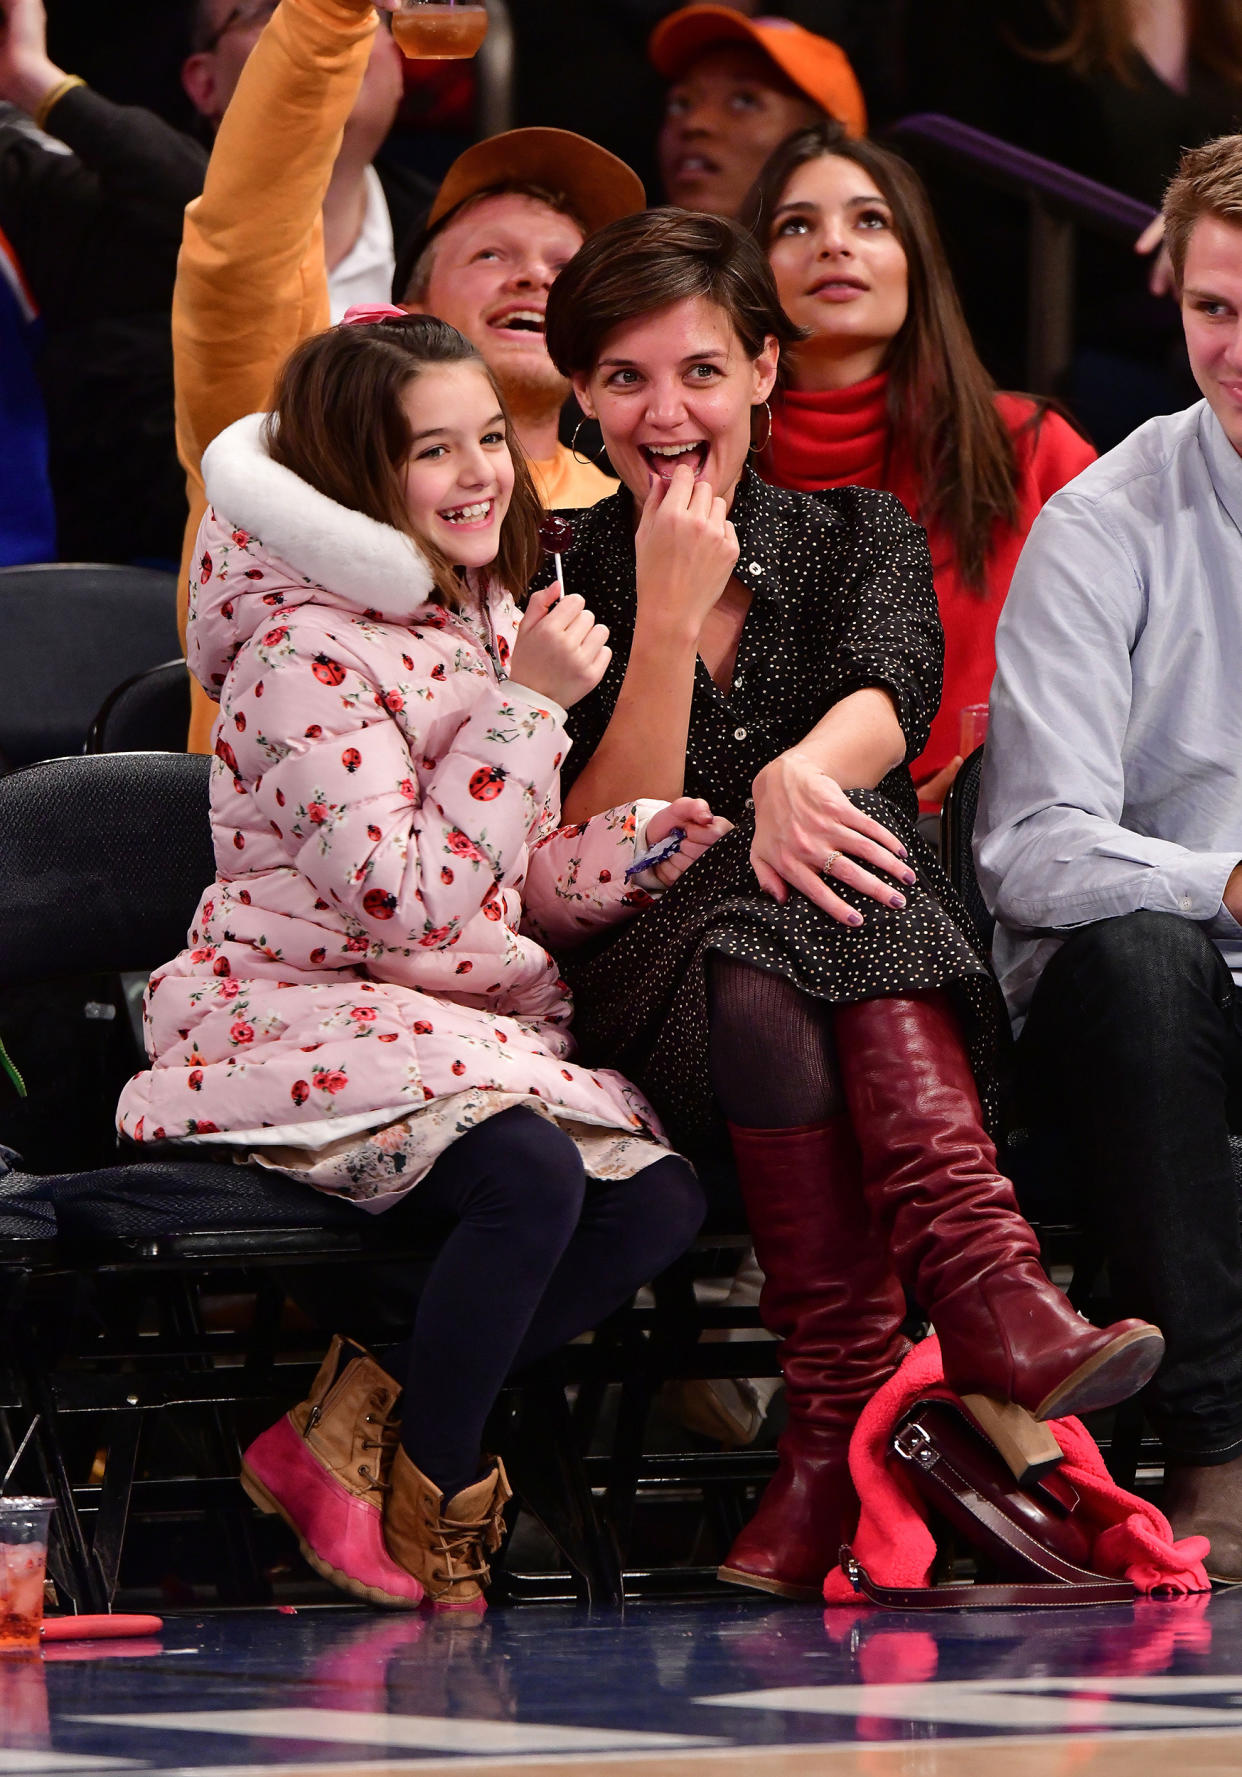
(383, 804)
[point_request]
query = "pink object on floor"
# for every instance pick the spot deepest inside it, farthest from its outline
(103, 1628)
(340, 1533)
(1132, 1539)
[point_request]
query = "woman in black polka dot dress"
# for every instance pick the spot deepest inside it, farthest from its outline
(810, 989)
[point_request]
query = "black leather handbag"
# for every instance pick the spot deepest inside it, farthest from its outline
(1024, 1534)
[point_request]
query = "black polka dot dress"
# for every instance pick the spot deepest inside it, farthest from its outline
(842, 598)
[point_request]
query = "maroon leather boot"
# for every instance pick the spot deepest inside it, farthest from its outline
(957, 1238)
(831, 1296)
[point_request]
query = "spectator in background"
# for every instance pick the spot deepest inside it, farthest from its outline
(108, 220)
(739, 87)
(251, 286)
(510, 215)
(886, 390)
(372, 215)
(1109, 845)
(96, 232)
(1108, 87)
(1111, 89)
(27, 523)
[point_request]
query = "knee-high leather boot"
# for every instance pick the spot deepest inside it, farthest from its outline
(830, 1294)
(957, 1238)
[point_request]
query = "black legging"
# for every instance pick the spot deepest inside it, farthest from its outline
(540, 1253)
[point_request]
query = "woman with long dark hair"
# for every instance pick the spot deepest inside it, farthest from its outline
(809, 993)
(886, 390)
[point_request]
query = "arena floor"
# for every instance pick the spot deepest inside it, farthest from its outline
(726, 1686)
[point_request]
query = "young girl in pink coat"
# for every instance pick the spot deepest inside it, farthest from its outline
(366, 1002)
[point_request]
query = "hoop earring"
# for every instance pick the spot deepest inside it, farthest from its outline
(587, 462)
(758, 449)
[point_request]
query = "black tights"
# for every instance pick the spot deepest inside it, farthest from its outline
(771, 1049)
(539, 1254)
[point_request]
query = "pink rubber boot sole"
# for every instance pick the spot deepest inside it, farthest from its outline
(339, 1533)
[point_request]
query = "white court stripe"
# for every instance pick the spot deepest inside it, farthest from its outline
(356, 1727)
(976, 1705)
(15, 1760)
(1192, 1684)
(714, 1759)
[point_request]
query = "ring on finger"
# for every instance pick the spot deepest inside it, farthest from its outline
(829, 861)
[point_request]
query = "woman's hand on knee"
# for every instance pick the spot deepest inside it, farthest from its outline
(701, 827)
(807, 828)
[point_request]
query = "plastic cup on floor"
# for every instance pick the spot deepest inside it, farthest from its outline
(23, 1563)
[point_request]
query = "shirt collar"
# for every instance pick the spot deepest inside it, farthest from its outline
(1224, 464)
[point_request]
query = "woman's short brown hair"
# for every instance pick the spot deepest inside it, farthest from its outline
(339, 423)
(1208, 182)
(645, 262)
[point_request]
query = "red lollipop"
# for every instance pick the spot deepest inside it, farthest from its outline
(556, 533)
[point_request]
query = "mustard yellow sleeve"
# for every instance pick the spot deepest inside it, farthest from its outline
(251, 280)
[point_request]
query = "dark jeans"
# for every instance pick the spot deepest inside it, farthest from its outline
(539, 1254)
(1130, 1069)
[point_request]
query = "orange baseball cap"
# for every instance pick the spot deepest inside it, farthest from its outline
(599, 186)
(816, 66)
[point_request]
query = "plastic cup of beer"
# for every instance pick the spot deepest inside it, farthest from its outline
(972, 728)
(23, 1562)
(439, 30)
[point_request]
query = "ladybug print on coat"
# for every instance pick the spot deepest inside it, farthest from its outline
(327, 670)
(487, 783)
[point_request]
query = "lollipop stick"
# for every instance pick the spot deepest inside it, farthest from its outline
(560, 572)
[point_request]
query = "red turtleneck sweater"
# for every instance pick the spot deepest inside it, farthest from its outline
(841, 436)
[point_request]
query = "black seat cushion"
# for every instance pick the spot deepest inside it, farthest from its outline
(176, 1198)
(26, 1210)
(152, 1198)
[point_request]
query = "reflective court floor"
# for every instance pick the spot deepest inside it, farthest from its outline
(668, 1690)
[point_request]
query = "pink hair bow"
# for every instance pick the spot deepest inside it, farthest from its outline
(364, 312)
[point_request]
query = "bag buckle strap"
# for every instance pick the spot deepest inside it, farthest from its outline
(913, 1443)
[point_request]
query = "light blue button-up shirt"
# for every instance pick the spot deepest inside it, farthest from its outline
(1113, 774)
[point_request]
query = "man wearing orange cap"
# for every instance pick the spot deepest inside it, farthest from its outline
(251, 282)
(739, 87)
(511, 213)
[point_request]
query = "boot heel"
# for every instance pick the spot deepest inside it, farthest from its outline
(1027, 1446)
(258, 1494)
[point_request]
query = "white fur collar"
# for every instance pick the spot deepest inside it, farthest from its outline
(345, 552)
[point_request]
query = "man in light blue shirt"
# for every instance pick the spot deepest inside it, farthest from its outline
(1109, 846)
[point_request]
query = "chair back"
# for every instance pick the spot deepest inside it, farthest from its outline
(102, 864)
(957, 831)
(70, 632)
(149, 713)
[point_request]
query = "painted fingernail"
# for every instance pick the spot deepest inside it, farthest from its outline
(909, 879)
(897, 900)
(855, 919)
(902, 852)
